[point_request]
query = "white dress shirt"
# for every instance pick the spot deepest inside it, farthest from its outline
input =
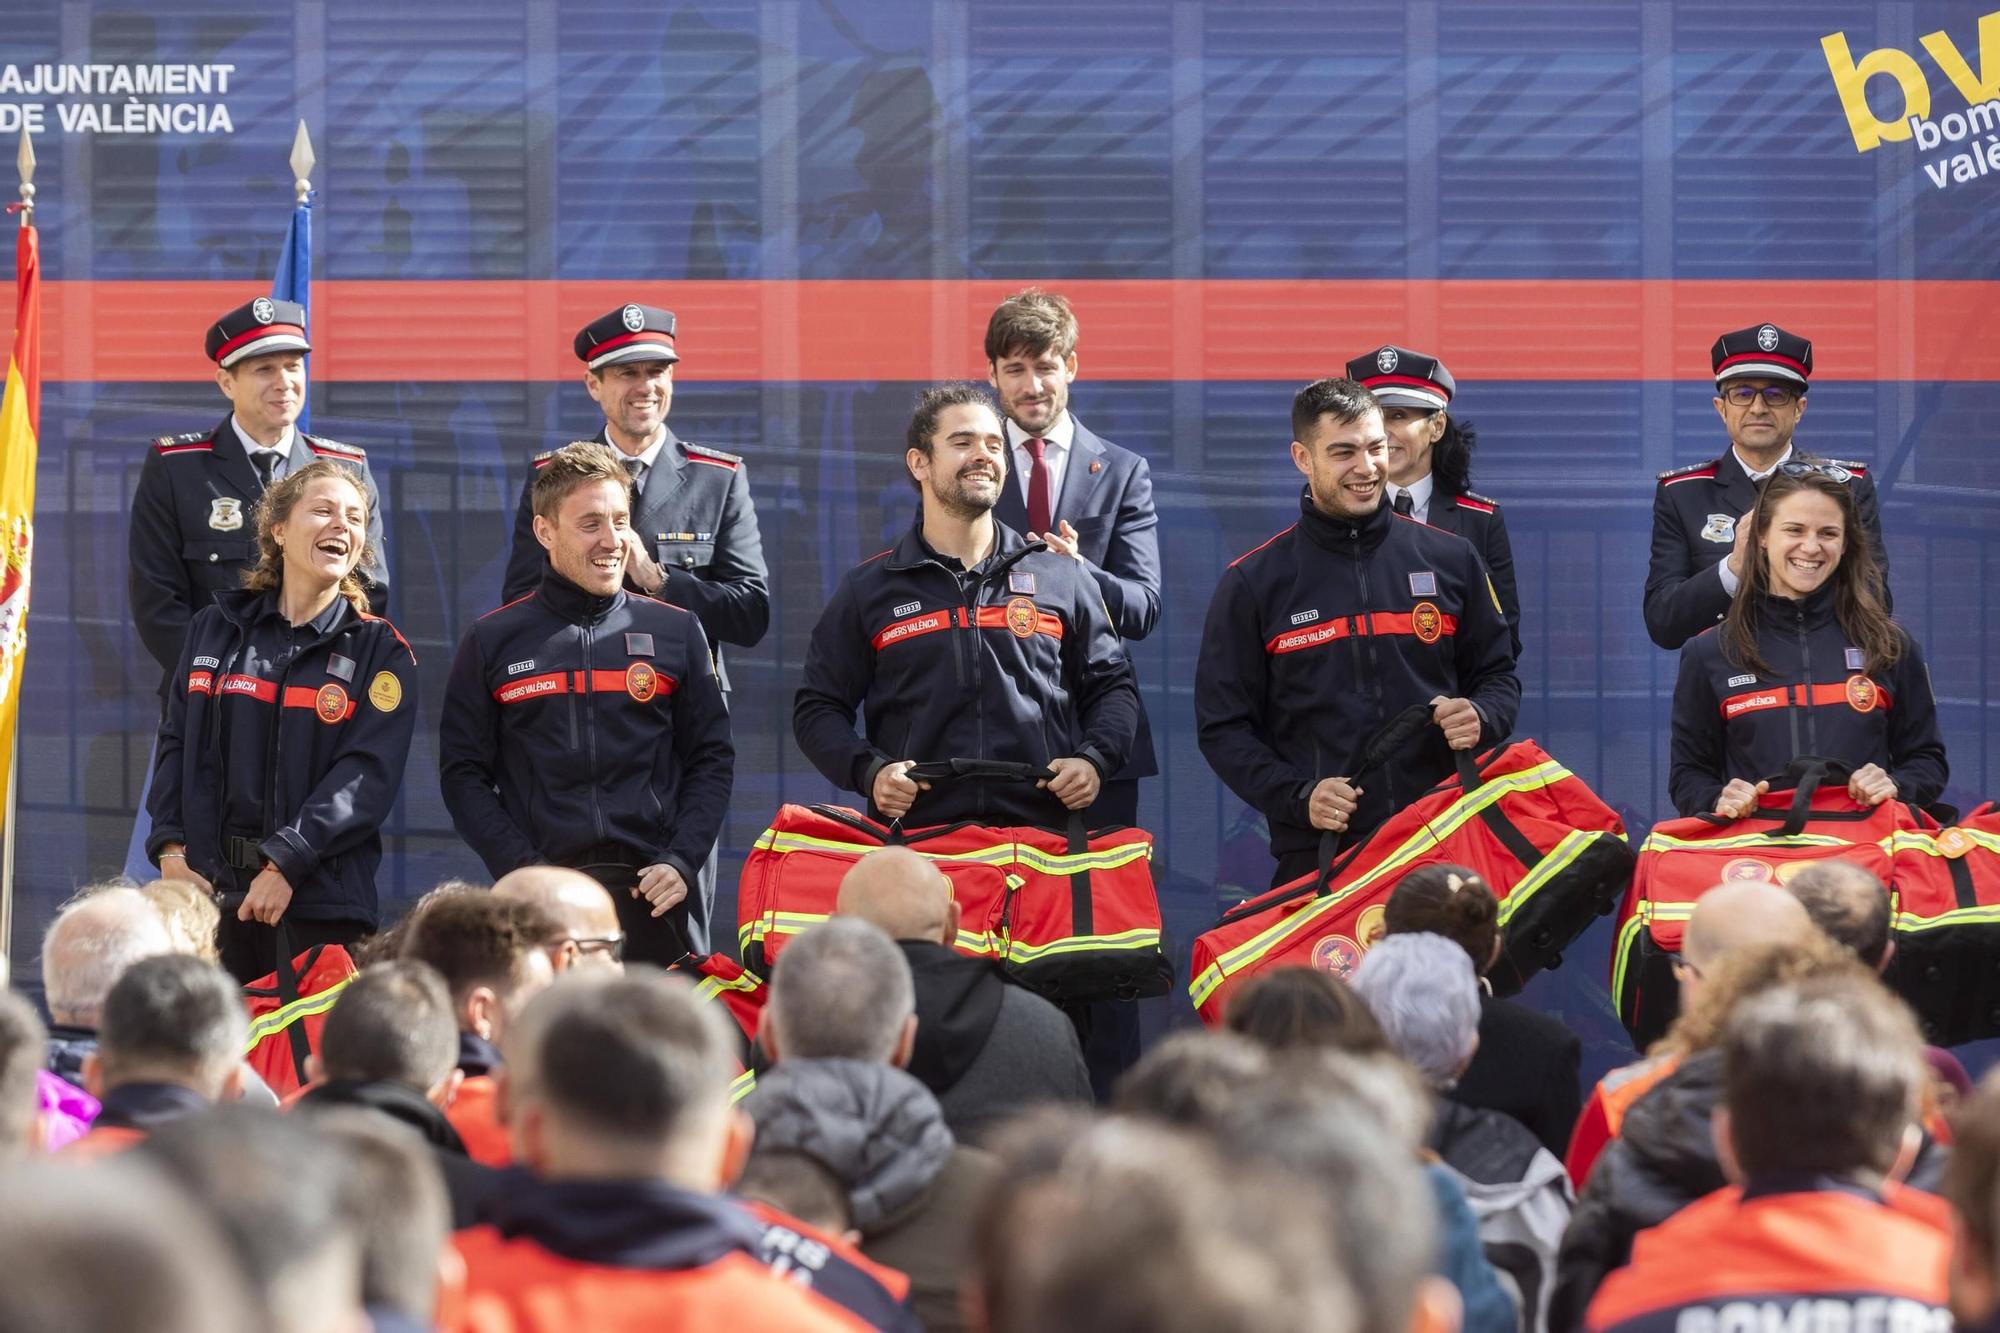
(283, 448)
(1420, 497)
(1730, 583)
(1055, 455)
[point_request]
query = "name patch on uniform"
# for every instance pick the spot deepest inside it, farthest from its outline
(908, 609)
(1423, 583)
(341, 667)
(1734, 681)
(1021, 581)
(1855, 659)
(1720, 528)
(225, 514)
(1305, 617)
(516, 668)
(639, 645)
(209, 662)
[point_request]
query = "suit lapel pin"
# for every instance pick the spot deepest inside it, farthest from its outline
(1096, 466)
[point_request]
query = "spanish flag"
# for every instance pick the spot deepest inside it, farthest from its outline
(20, 416)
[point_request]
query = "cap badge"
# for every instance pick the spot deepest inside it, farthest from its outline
(634, 317)
(1767, 338)
(1386, 359)
(262, 310)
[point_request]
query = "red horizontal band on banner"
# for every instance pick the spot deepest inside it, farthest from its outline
(1150, 330)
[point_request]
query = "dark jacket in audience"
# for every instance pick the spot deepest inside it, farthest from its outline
(1518, 1191)
(476, 1055)
(912, 1188)
(987, 1049)
(1526, 1067)
(468, 1184)
(67, 1048)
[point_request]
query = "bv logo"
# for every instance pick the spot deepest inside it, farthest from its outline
(1851, 79)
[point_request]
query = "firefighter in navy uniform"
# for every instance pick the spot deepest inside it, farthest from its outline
(288, 720)
(1806, 662)
(966, 641)
(583, 725)
(1762, 375)
(191, 536)
(1430, 462)
(694, 539)
(1325, 632)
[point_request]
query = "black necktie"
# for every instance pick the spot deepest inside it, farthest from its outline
(266, 463)
(1403, 504)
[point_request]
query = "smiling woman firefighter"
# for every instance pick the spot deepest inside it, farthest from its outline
(286, 728)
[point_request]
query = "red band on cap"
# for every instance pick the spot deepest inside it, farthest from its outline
(1408, 381)
(626, 339)
(1773, 357)
(252, 335)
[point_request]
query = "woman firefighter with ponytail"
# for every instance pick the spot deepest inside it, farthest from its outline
(1806, 662)
(286, 728)
(1430, 462)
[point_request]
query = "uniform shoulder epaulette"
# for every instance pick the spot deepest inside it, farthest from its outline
(320, 445)
(193, 442)
(701, 453)
(542, 459)
(1857, 468)
(1688, 473)
(1483, 504)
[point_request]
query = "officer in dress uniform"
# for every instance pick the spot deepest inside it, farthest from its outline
(191, 535)
(1761, 377)
(693, 540)
(1430, 462)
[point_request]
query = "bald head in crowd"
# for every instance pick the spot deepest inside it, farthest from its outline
(582, 906)
(89, 946)
(902, 895)
(1850, 905)
(1736, 916)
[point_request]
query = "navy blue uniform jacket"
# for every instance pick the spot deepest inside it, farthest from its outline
(1478, 520)
(1107, 496)
(696, 519)
(1695, 512)
(1817, 699)
(1013, 660)
(1318, 637)
(191, 535)
(296, 737)
(574, 723)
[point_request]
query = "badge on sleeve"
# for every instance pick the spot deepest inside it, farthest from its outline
(1423, 583)
(225, 514)
(1856, 659)
(1720, 528)
(639, 645)
(1021, 581)
(385, 692)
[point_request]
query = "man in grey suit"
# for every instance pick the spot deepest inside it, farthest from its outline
(1082, 494)
(694, 539)
(1089, 499)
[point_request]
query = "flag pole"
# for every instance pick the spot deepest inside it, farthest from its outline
(24, 162)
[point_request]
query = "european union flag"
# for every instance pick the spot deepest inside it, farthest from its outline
(294, 283)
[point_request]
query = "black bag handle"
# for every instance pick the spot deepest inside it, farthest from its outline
(288, 994)
(1082, 914)
(1806, 774)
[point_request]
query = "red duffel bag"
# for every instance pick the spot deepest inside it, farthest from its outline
(1068, 913)
(1681, 859)
(742, 994)
(289, 1007)
(1947, 926)
(1551, 851)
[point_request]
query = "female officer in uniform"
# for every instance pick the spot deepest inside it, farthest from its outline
(286, 727)
(1806, 662)
(1430, 462)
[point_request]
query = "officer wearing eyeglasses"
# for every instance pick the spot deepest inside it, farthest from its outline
(1761, 377)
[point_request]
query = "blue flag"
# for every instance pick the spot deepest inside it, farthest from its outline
(294, 283)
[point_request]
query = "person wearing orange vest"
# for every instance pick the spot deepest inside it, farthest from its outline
(169, 1045)
(618, 1101)
(1727, 918)
(493, 955)
(1821, 1098)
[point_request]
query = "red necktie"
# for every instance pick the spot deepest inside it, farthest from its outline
(1038, 488)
